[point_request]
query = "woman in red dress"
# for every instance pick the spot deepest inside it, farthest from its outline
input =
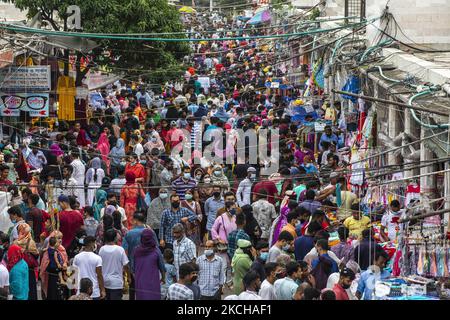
(129, 195)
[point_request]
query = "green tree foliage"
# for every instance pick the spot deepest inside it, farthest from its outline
(120, 16)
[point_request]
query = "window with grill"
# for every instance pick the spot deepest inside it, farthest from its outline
(355, 8)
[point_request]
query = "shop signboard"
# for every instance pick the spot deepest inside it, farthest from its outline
(319, 126)
(25, 79)
(36, 104)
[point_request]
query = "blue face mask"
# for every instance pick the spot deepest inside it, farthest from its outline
(13, 221)
(143, 162)
(263, 256)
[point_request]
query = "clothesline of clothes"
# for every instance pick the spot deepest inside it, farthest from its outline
(427, 259)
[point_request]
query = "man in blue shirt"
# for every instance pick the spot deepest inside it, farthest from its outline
(304, 244)
(212, 205)
(132, 240)
(171, 217)
(328, 136)
(374, 273)
(322, 250)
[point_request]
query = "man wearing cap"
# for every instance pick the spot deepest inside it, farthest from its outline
(345, 281)
(70, 221)
(244, 190)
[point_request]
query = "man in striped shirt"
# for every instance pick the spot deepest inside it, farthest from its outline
(183, 183)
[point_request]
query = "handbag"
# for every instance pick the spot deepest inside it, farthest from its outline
(30, 259)
(141, 205)
(222, 247)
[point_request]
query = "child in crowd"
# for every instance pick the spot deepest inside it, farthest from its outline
(89, 221)
(171, 272)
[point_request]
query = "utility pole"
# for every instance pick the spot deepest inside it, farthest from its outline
(211, 5)
(447, 186)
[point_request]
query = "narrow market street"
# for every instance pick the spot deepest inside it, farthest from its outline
(221, 150)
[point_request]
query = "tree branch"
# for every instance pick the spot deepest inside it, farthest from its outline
(47, 17)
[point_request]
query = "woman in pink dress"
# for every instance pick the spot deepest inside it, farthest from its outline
(104, 148)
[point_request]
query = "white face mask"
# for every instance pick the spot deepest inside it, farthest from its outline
(163, 195)
(207, 180)
(187, 175)
(217, 173)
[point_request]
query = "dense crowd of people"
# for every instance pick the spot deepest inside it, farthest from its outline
(101, 207)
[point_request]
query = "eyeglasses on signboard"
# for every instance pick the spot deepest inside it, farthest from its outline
(14, 102)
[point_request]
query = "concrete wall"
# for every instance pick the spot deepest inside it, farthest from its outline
(9, 12)
(424, 21)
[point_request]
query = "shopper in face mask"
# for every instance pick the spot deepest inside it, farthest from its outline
(183, 183)
(243, 193)
(284, 243)
(155, 209)
(345, 281)
(219, 178)
(170, 217)
(262, 252)
(212, 205)
(211, 274)
(267, 291)
(184, 249)
(231, 208)
(226, 220)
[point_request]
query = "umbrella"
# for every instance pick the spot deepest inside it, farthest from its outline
(243, 18)
(186, 9)
(260, 17)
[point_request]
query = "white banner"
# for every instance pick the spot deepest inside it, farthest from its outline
(25, 79)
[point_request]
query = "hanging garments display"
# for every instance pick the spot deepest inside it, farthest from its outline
(66, 98)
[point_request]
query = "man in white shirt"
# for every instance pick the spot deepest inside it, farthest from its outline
(89, 265)
(117, 183)
(111, 200)
(114, 262)
(252, 285)
(245, 187)
(390, 221)
(267, 291)
(78, 174)
(138, 149)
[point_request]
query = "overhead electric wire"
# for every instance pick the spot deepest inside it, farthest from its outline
(111, 37)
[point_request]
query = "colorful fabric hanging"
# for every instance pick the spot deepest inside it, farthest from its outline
(66, 98)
